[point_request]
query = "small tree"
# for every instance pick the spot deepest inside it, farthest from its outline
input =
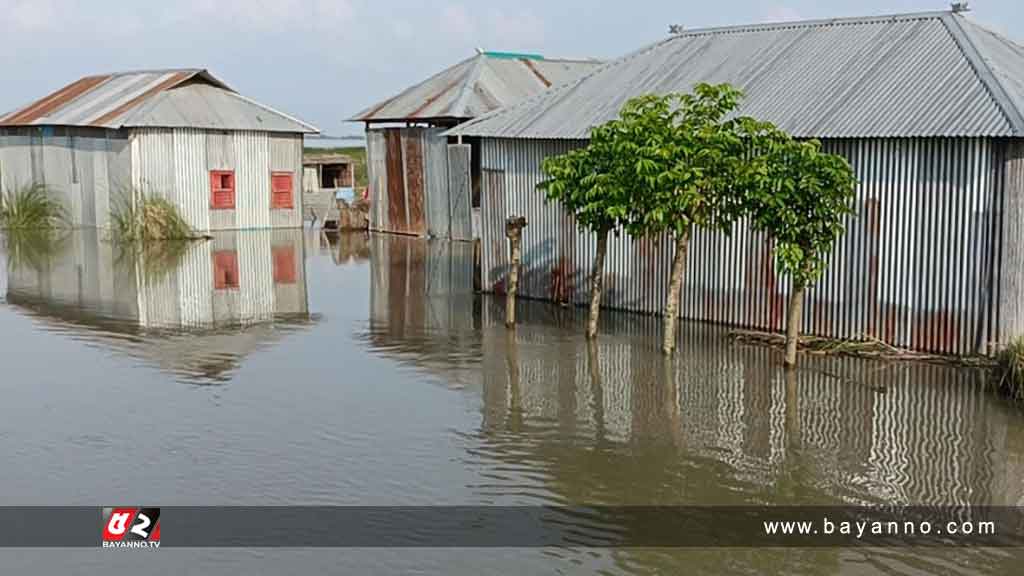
(690, 167)
(801, 201)
(589, 183)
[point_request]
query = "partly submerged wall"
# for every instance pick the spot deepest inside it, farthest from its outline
(176, 163)
(913, 269)
(85, 168)
(418, 184)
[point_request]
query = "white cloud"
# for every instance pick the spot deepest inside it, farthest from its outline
(456, 20)
(516, 30)
(29, 15)
(493, 28)
(780, 13)
(263, 15)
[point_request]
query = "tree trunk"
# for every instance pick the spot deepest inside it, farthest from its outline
(796, 309)
(513, 280)
(675, 286)
(597, 282)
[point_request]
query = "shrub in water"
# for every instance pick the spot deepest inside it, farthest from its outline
(149, 218)
(30, 207)
(1009, 371)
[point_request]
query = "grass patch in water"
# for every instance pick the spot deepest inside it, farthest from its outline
(1008, 376)
(30, 207)
(149, 218)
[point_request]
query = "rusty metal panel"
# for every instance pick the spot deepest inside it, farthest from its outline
(475, 86)
(913, 268)
(412, 162)
(398, 218)
(186, 98)
(1010, 295)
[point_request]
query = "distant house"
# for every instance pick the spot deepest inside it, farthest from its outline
(225, 160)
(929, 110)
(419, 184)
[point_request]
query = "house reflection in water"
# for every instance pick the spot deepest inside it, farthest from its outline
(193, 309)
(613, 422)
(423, 311)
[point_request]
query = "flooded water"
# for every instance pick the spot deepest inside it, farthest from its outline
(291, 368)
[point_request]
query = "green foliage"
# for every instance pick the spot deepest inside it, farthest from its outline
(690, 162)
(666, 163)
(30, 207)
(148, 218)
(1009, 370)
(801, 199)
(593, 182)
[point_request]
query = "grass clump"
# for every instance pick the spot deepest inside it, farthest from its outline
(1009, 371)
(30, 207)
(149, 218)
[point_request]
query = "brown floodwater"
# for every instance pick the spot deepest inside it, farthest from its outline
(288, 367)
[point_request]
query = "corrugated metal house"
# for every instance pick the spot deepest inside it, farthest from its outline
(929, 110)
(228, 162)
(422, 184)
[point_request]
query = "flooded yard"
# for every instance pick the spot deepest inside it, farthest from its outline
(288, 368)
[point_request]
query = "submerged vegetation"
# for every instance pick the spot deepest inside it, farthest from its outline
(30, 207)
(32, 248)
(1009, 372)
(148, 218)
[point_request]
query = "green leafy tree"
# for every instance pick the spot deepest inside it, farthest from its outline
(593, 184)
(691, 167)
(801, 200)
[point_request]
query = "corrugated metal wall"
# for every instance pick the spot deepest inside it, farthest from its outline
(79, 166)
(913, 268)
(460, 191)
(409, 182)
(1010, 272)
(176, 163)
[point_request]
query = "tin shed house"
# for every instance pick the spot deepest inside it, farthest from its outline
(422, 184)
(225, 160)
(929, 110)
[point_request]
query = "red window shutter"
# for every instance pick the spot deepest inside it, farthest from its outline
(284, 264)
(222, 189)
(281, 190)
(225, 270)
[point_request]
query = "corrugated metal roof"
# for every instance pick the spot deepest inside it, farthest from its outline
(925, 75)
(476, 86)
(188, 98)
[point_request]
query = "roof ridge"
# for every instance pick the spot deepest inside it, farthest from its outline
(550, 92)
(986, 75)
(817, 22)
(472, 77)
(374, 108)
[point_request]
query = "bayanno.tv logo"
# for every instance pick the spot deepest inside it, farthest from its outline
(131, 527)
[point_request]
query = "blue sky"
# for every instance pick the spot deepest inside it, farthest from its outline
(323, 60)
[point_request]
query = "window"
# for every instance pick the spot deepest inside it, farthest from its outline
(225, 270)
(281, 190)
(222, 189)
(283, 264)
